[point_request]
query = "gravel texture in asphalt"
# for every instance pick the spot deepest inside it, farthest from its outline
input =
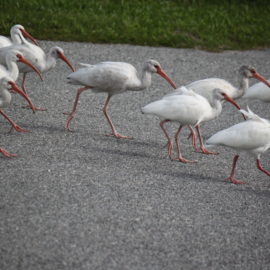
(82, 200)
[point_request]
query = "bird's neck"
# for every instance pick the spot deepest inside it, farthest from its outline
(243, 86)
(146, 79)
(216, 107)
(5, 98)
(20, 39)
(50, 62)
(13, 70)
(16, 39)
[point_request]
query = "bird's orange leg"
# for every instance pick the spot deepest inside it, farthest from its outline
(72, 114)
(231, 177)
(169, 143)
(202, 147)
(259, 166)
(14, 125)
(180, 158)
(24, 90)
(193, 135)
(6, 153)
(114, 132)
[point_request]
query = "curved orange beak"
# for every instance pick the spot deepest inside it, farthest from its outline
(259, 77)
(163, 74)
(233, 102)
(25, 61)
(27, 35)
(16, 88)
(64, 58)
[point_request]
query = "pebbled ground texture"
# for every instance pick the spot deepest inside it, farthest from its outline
(82, 200)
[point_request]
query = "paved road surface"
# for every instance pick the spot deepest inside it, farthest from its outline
(86, 201)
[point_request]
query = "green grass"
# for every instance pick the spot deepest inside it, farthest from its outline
(211, 25)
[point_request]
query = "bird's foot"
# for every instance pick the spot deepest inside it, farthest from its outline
(203, 150)
(6, 153)
(118, 136)
(70, 117)
(34, 108)
(234, 181)
(66, 113)
(183, 160)
(18, 128)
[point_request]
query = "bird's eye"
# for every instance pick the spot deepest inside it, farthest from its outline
(252, 70)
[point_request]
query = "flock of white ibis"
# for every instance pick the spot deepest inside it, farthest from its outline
(189, 105)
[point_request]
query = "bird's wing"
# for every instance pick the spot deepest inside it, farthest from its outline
(101, 76)
(180, 91)
(247, 135)
(258, 91)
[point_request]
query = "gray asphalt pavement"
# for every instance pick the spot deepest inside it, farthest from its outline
(82, 200)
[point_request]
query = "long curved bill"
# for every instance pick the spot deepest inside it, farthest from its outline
(25, 61)
(64, 58)
(27, 35)
(259, 77)
(233, 102)
(163, 74)
(16, 88)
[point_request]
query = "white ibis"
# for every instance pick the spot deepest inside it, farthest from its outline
(37, 57)
(6, 84)
(251, 136)
(113, 78)
(11, 68)
(206, 87)
(16, 33)
(188, 108)
(258, 91)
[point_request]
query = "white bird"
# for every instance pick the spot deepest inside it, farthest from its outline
(252, 136)
(37, 57)
(258, 91)
(16, 31)
(11, 68)
(206, 87)
(188, 108)
(7, 84)
(113, 78)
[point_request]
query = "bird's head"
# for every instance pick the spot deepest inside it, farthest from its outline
(250, 72)
(154, 66)
(9, 84)
(58, 52)
(223, 96)
(19, 29)
(17, 56)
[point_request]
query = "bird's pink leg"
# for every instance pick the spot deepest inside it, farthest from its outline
(114, 132)
(193, 135)
(202, 147)
(180, 158)
(259, 166)
(169, 143)
(23, 83)
(6, 153)
(231, 177)
(24, 90)
(72, 114)
(14, 125)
